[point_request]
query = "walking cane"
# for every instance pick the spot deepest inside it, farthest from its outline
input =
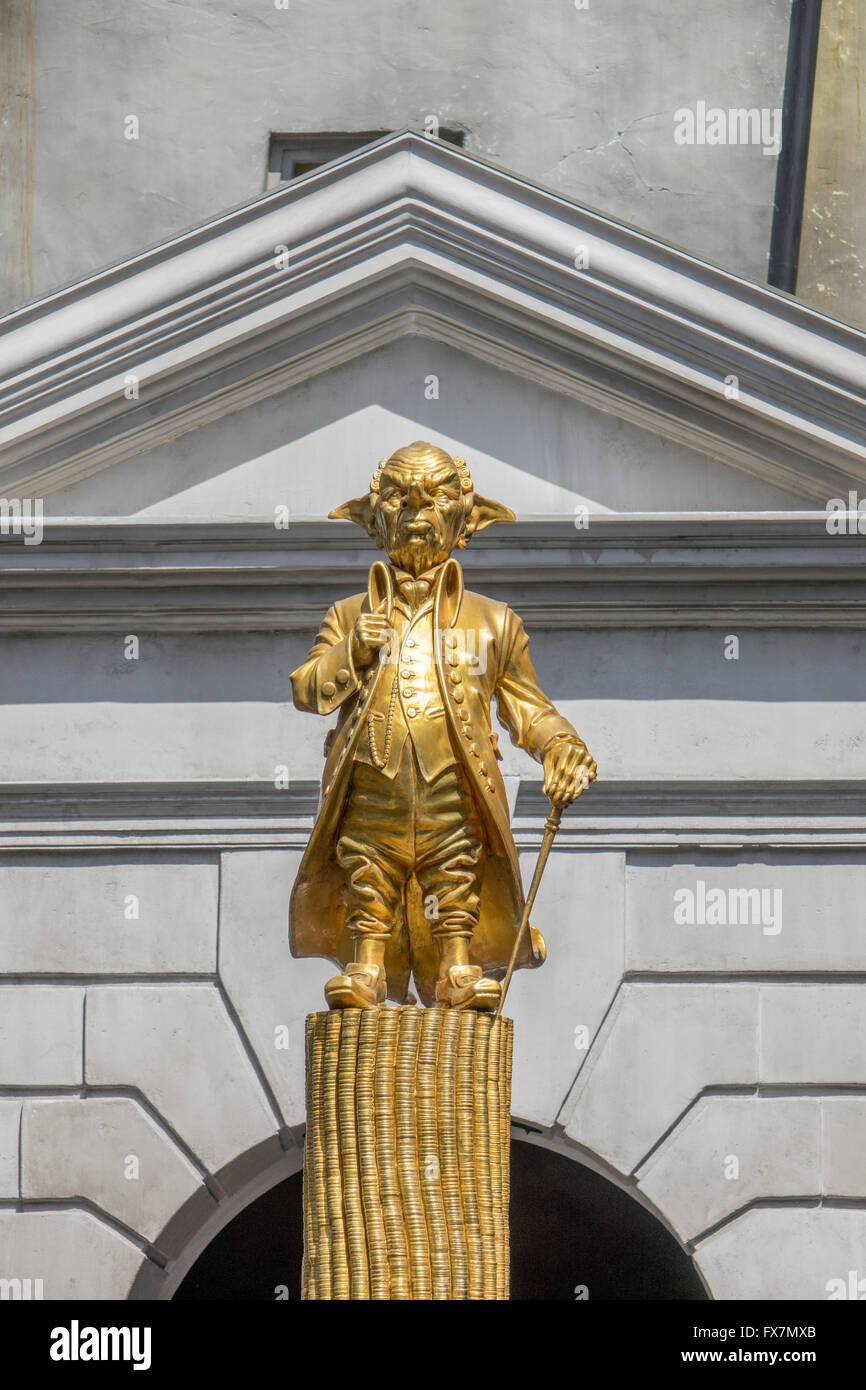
(551, 825)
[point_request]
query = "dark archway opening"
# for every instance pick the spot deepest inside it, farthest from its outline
(571, 1230)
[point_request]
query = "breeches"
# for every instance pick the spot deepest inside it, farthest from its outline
(392, 828)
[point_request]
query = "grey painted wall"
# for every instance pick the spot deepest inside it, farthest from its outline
(151, 1010)
(580, 100)
(311, 447)
(217, 706)
(149, 1007)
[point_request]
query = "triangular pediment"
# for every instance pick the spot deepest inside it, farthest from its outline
(290, 310)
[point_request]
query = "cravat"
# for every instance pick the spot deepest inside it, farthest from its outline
(414, 591)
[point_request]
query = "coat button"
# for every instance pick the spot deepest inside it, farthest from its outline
(411, 712)
(342, 676)
(410, 642)
(329, 690)
(458, 697)
(464, 713)
(455, 677)
(482, 768)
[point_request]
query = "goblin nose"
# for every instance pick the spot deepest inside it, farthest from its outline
(414, 497)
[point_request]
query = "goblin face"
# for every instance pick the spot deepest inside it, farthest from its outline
(419, 513)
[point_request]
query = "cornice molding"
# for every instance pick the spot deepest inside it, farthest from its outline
(209, 816)
(758, 570)
(836, 799)
(413, 237)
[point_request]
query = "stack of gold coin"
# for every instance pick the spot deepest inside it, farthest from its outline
(406, 1173)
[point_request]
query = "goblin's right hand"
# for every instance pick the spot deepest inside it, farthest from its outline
(370, 632)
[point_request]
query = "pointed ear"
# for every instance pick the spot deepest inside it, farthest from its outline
(484, 513)
(359, 510)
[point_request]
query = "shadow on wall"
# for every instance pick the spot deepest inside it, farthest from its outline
(210, 668)
(573, 1235)
(316, 443)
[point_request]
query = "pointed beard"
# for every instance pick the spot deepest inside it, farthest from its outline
(418, 554)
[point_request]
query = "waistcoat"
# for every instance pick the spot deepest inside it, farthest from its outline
(414, 710)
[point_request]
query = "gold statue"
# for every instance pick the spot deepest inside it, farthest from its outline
(411, 867)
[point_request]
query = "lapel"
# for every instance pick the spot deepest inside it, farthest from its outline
(380, 588)
(445, 597)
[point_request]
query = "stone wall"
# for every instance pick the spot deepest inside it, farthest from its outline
(580, 98)
(706, 1059)
(831, 271)
(696, 1033)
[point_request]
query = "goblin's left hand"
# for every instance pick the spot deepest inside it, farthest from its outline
(568, 771)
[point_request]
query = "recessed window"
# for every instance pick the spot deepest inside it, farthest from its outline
(298, 152)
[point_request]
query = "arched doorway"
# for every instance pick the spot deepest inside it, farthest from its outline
(574, 1235)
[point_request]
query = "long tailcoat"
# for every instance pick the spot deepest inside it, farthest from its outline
(327, 682)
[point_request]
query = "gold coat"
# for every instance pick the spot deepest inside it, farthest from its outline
(327, 682)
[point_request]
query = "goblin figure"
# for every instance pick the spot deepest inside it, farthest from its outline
(411, 867)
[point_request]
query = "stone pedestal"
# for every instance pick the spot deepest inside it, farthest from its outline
(406, 1173)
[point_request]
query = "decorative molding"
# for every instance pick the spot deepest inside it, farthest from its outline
(412, 236)
(171, 802)
(839, 800)
(209, 816)
(759, 570)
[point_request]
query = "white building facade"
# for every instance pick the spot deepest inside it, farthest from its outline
(670, 436)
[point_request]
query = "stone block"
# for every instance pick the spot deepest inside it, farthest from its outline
(844, 1153)
(813, 1034)
(558, 1009)
(787, 1253)
(10, 1123)
(272, 992)
(730, 1150)
(101, 915)
(659, 1047)
(108, 1150)
(764, 914)
(73, 1253)
(41, 1035)
(179, 1047)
